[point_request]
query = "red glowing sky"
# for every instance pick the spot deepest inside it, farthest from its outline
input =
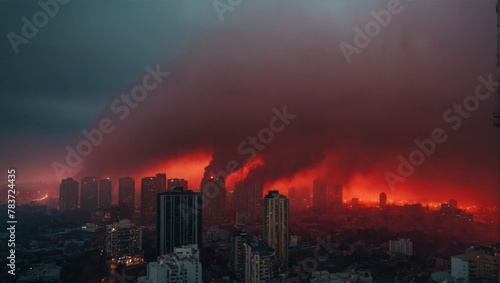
(353, 120)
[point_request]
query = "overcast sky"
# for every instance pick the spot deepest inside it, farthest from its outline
(353, 119)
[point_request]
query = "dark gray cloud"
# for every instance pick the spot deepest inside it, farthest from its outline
(356, 118)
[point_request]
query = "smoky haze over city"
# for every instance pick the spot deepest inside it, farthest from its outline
(353, 120)
(392, 97)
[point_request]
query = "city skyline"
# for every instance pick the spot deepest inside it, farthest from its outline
(337, 196)
(355, 147)
(250, 141)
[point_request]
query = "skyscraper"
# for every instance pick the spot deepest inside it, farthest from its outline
(68, 194)
(89, 193)
(179, 219)
(126, 193)
(335, 195)
(105, 193)
(214, 193)
(174, 183)
(162, 179)
(248, 198)
(238, 253)
(275, 226)
(382, 200)
(150, 186)
(319, 194)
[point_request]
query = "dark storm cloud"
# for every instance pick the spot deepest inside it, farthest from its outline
(87, 51)
(360, 116)
(352, 118)
(59, 82)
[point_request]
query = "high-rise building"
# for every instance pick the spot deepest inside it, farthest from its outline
(238, 254)
(105, 187)
(214, 193)
(174, 183)
(275, 226)
(335, 195)
(402, 246)
(68, 194)
(179, 219)
(124, 242)
(319, 194)
(230, 199)
(150, 186)
(382, 200)
(247, 198)
(181, 266)
(260, 261)
(126, 193)
(89, 193)
(162, 179)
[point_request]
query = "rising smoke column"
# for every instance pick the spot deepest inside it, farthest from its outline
(351, 118)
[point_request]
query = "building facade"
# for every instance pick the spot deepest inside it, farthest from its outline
(124, 242)
(275, 226)
(126, 193)
(175, 182)
(181, 266)
(68, 194)
(179, 219)
(214, 190)
(247, 198)
(260, 261)
(150, 186)
(483, 262)
(460, 268)
(162, 179)
(105, 190)
(402, 246)
(89, 193)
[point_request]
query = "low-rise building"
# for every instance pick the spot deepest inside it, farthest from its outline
(181, 266)
(401, 246)
(460, 268)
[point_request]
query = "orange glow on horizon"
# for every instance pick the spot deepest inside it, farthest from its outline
(189, 167)
(243, 172)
